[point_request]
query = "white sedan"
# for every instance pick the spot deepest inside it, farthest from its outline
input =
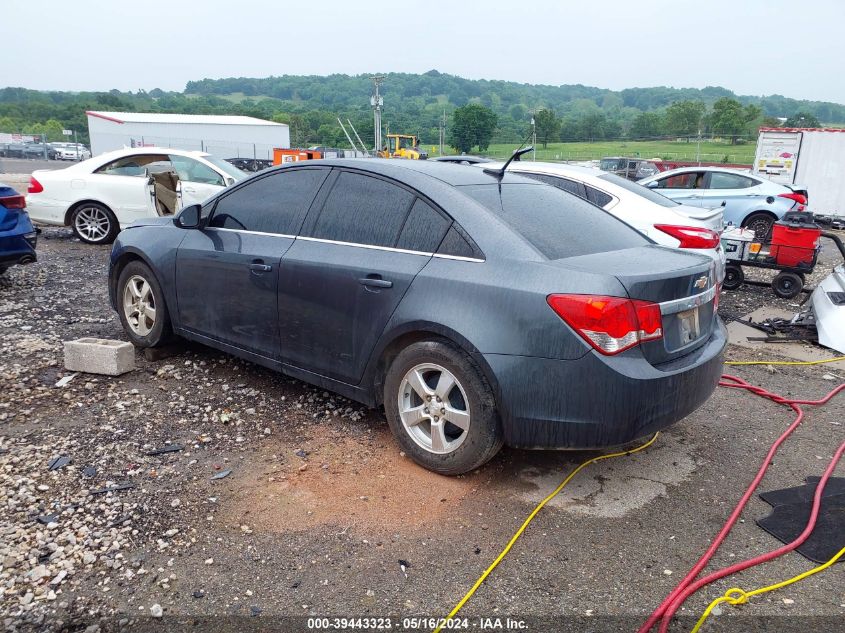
(661, 219)
(101, 195)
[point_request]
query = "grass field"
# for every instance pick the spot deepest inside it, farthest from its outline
(667, 150)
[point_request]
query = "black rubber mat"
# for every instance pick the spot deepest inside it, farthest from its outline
(804, 494)
(791, 512)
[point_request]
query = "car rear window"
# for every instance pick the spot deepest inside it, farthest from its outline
(640, 190)
(556, 223)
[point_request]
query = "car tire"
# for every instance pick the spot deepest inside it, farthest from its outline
(762, 223)
(94, 223)
(139, 293)
(427, 430)
(787, 284)
(734, 277)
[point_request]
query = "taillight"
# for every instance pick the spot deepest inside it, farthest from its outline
(800, 198)
(690, 236)
(13, 202)
(34, 186)
(609, 324)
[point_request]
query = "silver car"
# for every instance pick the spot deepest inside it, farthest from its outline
(748, 201)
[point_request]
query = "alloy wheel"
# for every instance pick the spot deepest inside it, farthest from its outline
(92, 223)
(433, 408)
(139, 306)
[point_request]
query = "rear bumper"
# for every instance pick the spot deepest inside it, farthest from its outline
(596, 401)
(46, 210)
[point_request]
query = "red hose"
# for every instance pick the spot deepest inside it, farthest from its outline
(687, 586)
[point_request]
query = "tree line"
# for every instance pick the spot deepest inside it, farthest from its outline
(415, 104)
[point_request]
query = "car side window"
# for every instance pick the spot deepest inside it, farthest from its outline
(363, 210)
(566, 184)
(276, 203)
(719, 180)
(132, 165)
(455, 244)
(678, 181)
(424, 229)
(598, 197)
(192, 170)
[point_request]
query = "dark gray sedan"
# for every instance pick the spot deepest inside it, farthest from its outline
(477, 308)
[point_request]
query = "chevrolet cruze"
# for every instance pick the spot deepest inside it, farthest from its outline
(478, 307)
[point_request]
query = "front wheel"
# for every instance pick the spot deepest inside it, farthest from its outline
(787, 284)
(734, 277)
(141, 307)
(441, 409)
(93, 223)
(761, 223)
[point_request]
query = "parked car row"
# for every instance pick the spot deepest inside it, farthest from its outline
(50, 151)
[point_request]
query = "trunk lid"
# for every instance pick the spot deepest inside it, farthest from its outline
(683, 283)
(710, 218)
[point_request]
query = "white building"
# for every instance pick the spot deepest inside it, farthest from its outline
(223, 136)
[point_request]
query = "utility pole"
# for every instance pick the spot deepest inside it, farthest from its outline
(376, 101)
(698, 148)
(534, 135)
(442, 131)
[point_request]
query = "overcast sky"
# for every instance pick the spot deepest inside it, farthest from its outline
(753, 47)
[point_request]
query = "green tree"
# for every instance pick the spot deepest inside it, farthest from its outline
(472, 124)
(730, 118)
(647, 125)
(547, 126)
(683, 118)
(802, 119)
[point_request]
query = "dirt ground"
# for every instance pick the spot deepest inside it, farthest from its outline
(320, 515)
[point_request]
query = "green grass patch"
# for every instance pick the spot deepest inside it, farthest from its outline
(709, 151)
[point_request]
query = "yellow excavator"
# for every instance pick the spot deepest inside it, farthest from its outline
(403, 146)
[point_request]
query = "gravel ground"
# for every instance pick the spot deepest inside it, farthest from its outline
(279, 501)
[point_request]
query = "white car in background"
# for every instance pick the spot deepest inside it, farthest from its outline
(99, 196)
(69, 151)
(663, 220)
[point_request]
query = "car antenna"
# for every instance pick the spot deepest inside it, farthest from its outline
(518, 153)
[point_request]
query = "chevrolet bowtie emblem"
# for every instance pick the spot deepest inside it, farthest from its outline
(701, 282)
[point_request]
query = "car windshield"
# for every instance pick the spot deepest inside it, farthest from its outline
(226, 167)
(555, 222)
(645, 192)
(609, 164)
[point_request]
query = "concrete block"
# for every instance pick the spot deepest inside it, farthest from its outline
(99, 356)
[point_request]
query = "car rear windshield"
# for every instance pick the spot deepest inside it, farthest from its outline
(645, 192)
(556, 223)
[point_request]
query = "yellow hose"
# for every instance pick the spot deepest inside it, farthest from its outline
(738, 596)
(530, 518)
(784, 362)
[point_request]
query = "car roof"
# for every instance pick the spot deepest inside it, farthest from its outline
(580, 172)
(411, 171)
(681, 170)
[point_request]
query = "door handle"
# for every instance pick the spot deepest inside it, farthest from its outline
(375, 282)
(258, 267)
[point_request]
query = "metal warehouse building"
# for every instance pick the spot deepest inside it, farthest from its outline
(223, 136)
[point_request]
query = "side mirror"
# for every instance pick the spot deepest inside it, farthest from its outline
(652, 185)
(190, 217)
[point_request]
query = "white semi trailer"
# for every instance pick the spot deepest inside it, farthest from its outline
(811, 157)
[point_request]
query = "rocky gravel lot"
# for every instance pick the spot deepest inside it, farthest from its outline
(205, 492)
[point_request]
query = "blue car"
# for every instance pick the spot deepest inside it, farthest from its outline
(17, 235)
(747, 200)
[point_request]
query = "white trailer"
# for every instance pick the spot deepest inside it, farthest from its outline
(223, 136)
(811, 157)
